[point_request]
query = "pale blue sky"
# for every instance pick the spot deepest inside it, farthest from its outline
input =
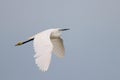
(92, 45)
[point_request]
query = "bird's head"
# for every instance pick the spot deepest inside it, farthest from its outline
(63, 29)
(57, 32)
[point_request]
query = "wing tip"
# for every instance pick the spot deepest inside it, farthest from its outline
(43, 66)
(43, 69)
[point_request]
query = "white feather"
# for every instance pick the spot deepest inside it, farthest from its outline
(44, 44)
(58, 47)
(43, 48)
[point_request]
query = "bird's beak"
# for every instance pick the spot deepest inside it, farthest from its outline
(64, 29)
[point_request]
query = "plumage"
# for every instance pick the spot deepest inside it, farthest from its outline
(58, 47)
(43, 49)
(45, 43)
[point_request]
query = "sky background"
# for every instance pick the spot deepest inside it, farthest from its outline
(92, 45)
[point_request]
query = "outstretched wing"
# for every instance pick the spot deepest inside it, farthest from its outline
(43, 48)
(58, 47)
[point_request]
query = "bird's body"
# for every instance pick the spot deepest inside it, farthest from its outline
(45, 43)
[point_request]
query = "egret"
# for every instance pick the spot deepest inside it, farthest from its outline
(45, 43)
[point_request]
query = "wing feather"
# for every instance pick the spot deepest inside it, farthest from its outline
(43, 48)
(58, 47)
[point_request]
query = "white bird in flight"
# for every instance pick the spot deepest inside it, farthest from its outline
(45, 43)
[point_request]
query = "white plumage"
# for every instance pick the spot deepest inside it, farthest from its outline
(45, 43)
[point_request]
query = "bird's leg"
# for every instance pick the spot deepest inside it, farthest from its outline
(21, 43)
